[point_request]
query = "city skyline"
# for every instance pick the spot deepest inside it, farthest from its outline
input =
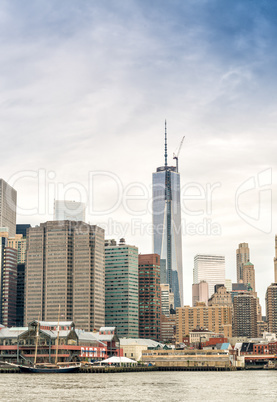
(86, 91)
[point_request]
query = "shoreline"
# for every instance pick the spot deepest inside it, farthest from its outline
(111, 370)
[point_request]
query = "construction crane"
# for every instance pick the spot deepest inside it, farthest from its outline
(177, 155)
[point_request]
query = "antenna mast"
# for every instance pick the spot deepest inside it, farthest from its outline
(165, 146)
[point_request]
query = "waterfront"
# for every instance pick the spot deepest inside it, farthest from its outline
(152, 386)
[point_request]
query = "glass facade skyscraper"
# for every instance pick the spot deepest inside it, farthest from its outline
(167, 232)
(121, 288)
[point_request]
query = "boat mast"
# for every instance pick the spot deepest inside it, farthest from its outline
(36, 350)
(57, 343)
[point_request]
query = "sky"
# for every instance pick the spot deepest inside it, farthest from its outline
(85, 88)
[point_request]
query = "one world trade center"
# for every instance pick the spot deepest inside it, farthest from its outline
(167, 233)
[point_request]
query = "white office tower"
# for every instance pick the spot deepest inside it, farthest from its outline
(69, 211)
(209, 268)
(167, 233)
(8, 198)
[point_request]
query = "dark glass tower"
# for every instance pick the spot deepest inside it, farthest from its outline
(167, 233)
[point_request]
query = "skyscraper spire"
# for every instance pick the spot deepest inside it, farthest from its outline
(165, 147)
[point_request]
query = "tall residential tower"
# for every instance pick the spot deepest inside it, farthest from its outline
(167, 233)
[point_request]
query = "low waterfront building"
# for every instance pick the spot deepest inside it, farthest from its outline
(187, 358)
(217, 342)
(235, 340)
(133, 348)
(200, 335)
(19, 344)
(108, 335)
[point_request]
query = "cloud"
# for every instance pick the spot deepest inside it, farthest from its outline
(86, 86)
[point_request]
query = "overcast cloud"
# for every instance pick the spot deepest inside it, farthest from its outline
(85, 86)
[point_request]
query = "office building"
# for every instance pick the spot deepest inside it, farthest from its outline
(275, 261)
(239, 288)
(167, 300)
(248, 275)
(19, 244)
(69, 210)
(163, 271)
(65, 267)
(228, 285)
(167, 233)
(8, 283)
(121, 291)
(200, 293)
(89, 277)
(209, 268)
(245, 316)
(261, 328)
(171, 303)
(217, 319)
(221, 297)
(168, 328)
(20, 292)
(8, 200)
(149, 296)
(242, 257)
(21, 229)
(271, 307)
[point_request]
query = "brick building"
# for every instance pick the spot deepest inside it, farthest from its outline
(149, 296)
(245, 316)
(215, 318)
(271, 307)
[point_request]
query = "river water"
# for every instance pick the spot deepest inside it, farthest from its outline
(151, 386)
